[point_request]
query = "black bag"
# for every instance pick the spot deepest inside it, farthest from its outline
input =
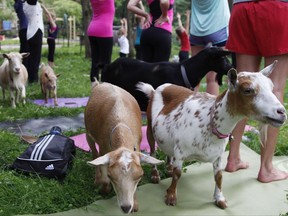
(51, 156)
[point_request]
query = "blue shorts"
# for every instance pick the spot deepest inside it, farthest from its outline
(218, 38)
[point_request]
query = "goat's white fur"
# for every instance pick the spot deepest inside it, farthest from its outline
(13, 77)
(113, 121)
(181, 123)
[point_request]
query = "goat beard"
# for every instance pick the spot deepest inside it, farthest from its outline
(263, 129)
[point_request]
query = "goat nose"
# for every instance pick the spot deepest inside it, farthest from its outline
(17, 69)
(126, 209)
(281, 111)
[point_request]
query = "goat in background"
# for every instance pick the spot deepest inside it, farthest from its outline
(14, 76)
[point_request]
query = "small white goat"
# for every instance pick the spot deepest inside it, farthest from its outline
(197, 126)
(48, 83)
(113, 121)
(13, 77)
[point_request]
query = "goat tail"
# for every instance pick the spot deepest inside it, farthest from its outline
(263, 128)
(95, 82)
(42, 65)
(146, 88)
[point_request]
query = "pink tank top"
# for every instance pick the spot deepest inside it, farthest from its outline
(101, 24)
(166, 26)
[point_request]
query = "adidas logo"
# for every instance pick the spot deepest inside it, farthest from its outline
(50, 167)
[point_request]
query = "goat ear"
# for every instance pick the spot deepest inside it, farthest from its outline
(24, 55)
(150, 160)
(103, 160)
(232, 77)
(5, 56)
(268, 70)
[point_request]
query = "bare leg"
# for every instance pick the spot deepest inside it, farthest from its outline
(212, 85)
(234, 163)
(267, 172)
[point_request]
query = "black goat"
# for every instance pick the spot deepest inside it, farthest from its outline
(127, 72)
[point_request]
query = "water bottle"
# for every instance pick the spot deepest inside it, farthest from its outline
(55, 130)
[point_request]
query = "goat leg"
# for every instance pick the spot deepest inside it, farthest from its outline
(155, 177)
(220, 200)
(171, 196)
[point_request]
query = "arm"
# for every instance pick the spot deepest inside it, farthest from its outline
(50, 18)
(132, 6)
(180, 22)
(187, 24)
(124, 26)
(164, 5)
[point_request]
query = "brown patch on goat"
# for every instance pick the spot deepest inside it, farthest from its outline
(173, 96)
(240, 103)
(218, 180)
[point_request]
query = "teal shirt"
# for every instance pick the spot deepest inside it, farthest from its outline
(208, 16)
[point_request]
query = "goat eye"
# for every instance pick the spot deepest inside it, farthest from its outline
(249, 91)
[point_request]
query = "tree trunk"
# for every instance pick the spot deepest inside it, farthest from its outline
(86, 17)
(130, 23)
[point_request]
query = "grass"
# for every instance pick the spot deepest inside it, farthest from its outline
(21, 194)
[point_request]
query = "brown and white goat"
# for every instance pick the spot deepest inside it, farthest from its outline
(113, 121)
(48, 83)
(13, 77)
(197, 126)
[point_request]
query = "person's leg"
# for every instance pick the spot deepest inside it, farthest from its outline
(267, 172)
(162, 45)
(195, 49)
(35, 44)
(95, 58)
(212, 84)
(146, 47)
(51, 51)
(106, 48)
(234, 162)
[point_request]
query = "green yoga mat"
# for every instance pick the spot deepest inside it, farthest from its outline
(245, 195)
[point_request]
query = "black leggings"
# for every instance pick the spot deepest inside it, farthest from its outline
(101, 52)
(155, 44)
(33, 61)
(51, 49)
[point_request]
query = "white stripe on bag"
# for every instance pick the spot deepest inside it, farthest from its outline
(44, 147)
(40, 145)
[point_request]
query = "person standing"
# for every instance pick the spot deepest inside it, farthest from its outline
(33, 12)
(100, 33)
(23, 24)
(123, 40)
(209, 24)
(139, 28)
(182, 34)
(259, 29)
(156, 36)
(52, 35)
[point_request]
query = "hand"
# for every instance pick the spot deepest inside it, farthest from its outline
(178, 15)
(162, 19)
(147, 23)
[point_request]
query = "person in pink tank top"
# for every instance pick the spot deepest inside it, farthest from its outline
(100, 33)
(156, 36)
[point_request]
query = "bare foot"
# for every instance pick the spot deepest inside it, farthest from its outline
(275, 175)
(233, 166)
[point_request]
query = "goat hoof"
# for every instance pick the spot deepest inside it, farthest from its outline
(155, 179)
(170, 199)
(222, 204)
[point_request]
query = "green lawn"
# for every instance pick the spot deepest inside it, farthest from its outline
(37, 195)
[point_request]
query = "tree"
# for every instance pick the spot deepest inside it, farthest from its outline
(86, 17)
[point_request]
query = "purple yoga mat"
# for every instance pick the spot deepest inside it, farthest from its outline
(63, 102)
(80, 141)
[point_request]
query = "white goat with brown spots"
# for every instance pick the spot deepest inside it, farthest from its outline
(197, 126)
(13, 77)
(48, 83)
(113, 121)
